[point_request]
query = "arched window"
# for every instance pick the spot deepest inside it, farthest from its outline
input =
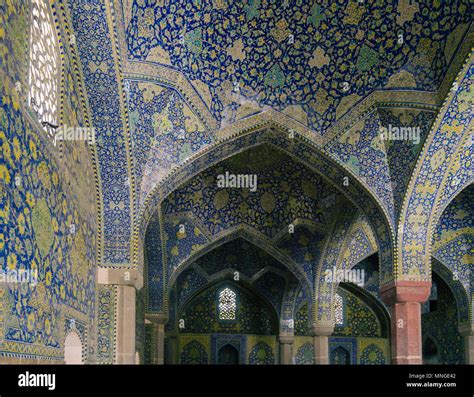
(227, 307)
(44, 65)
(339, 310)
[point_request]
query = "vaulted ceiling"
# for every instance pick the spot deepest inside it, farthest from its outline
(166, 82)
(286, 191)
(313, 60)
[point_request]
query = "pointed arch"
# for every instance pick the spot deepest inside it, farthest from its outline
(457, 289)
(420, 210)
(73, 348)
(298, 148)
(252, 236)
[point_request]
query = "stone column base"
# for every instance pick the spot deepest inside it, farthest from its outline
(127, 281)
(321, 335)
(404, 299)
(125, 353)
(159, 322)
(286, 349)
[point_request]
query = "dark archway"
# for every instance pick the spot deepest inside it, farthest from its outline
(340, 356)
(228, 355)
(439, 323)
(430, 352)
(205, 319)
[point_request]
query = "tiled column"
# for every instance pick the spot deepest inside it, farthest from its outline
(404, 299)
(128, 282)
(286, 349)
(321, 335)
(158, 322)
(467, 332)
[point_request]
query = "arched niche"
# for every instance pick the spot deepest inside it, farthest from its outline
(73, 348)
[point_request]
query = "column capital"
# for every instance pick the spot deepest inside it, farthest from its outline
(466, 329)
(125, 276)
(405, 291)
(321, 329)
(287, 339)
(157, 318)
